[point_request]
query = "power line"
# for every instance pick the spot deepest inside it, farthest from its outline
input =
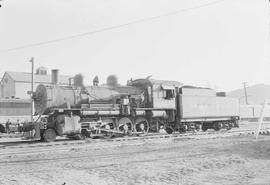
(111, 27)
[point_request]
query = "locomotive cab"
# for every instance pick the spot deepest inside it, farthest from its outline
(159, 94)
(159, 102)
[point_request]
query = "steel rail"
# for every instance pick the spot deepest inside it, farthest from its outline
(101, 143)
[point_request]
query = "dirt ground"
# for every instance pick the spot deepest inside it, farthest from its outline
(231, 160)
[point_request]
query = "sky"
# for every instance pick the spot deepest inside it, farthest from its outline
(218, 45)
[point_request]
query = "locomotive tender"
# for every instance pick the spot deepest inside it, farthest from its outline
(142, 106)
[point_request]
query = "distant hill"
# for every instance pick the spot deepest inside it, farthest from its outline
(256, 94)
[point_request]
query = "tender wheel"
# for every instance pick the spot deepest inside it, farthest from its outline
(141, 125)
(49, 135)
(229, 126)
(183, 128)
(217, 126)
(169, 129)
(204, 127)
(85, 133)
(198, 127)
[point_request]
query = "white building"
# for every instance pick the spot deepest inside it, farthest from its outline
(16, 84)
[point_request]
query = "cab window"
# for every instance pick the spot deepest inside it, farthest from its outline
(168, 94)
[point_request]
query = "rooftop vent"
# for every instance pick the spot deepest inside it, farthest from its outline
(41, 71)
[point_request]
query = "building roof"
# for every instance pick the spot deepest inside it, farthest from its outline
(41, 67)
(26, 77)
(166, 82)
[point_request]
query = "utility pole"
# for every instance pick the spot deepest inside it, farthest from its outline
(261, 119)
(32, 88)
(245, 89)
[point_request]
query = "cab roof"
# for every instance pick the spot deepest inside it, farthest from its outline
(156, 82)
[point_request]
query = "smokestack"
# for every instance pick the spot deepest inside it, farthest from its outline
(55, 76)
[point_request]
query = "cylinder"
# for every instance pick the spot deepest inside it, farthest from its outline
(55, 76)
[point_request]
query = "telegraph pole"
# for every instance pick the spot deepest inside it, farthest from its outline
(32, 88)
(245, 89)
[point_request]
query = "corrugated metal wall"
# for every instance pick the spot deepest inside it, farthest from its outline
(14, 109)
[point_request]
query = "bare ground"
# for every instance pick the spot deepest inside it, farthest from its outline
(231, 160)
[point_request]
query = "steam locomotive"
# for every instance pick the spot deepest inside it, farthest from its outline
(141, 106)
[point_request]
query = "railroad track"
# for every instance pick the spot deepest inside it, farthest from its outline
(99, 157)
(32, 144)
(67, 145)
